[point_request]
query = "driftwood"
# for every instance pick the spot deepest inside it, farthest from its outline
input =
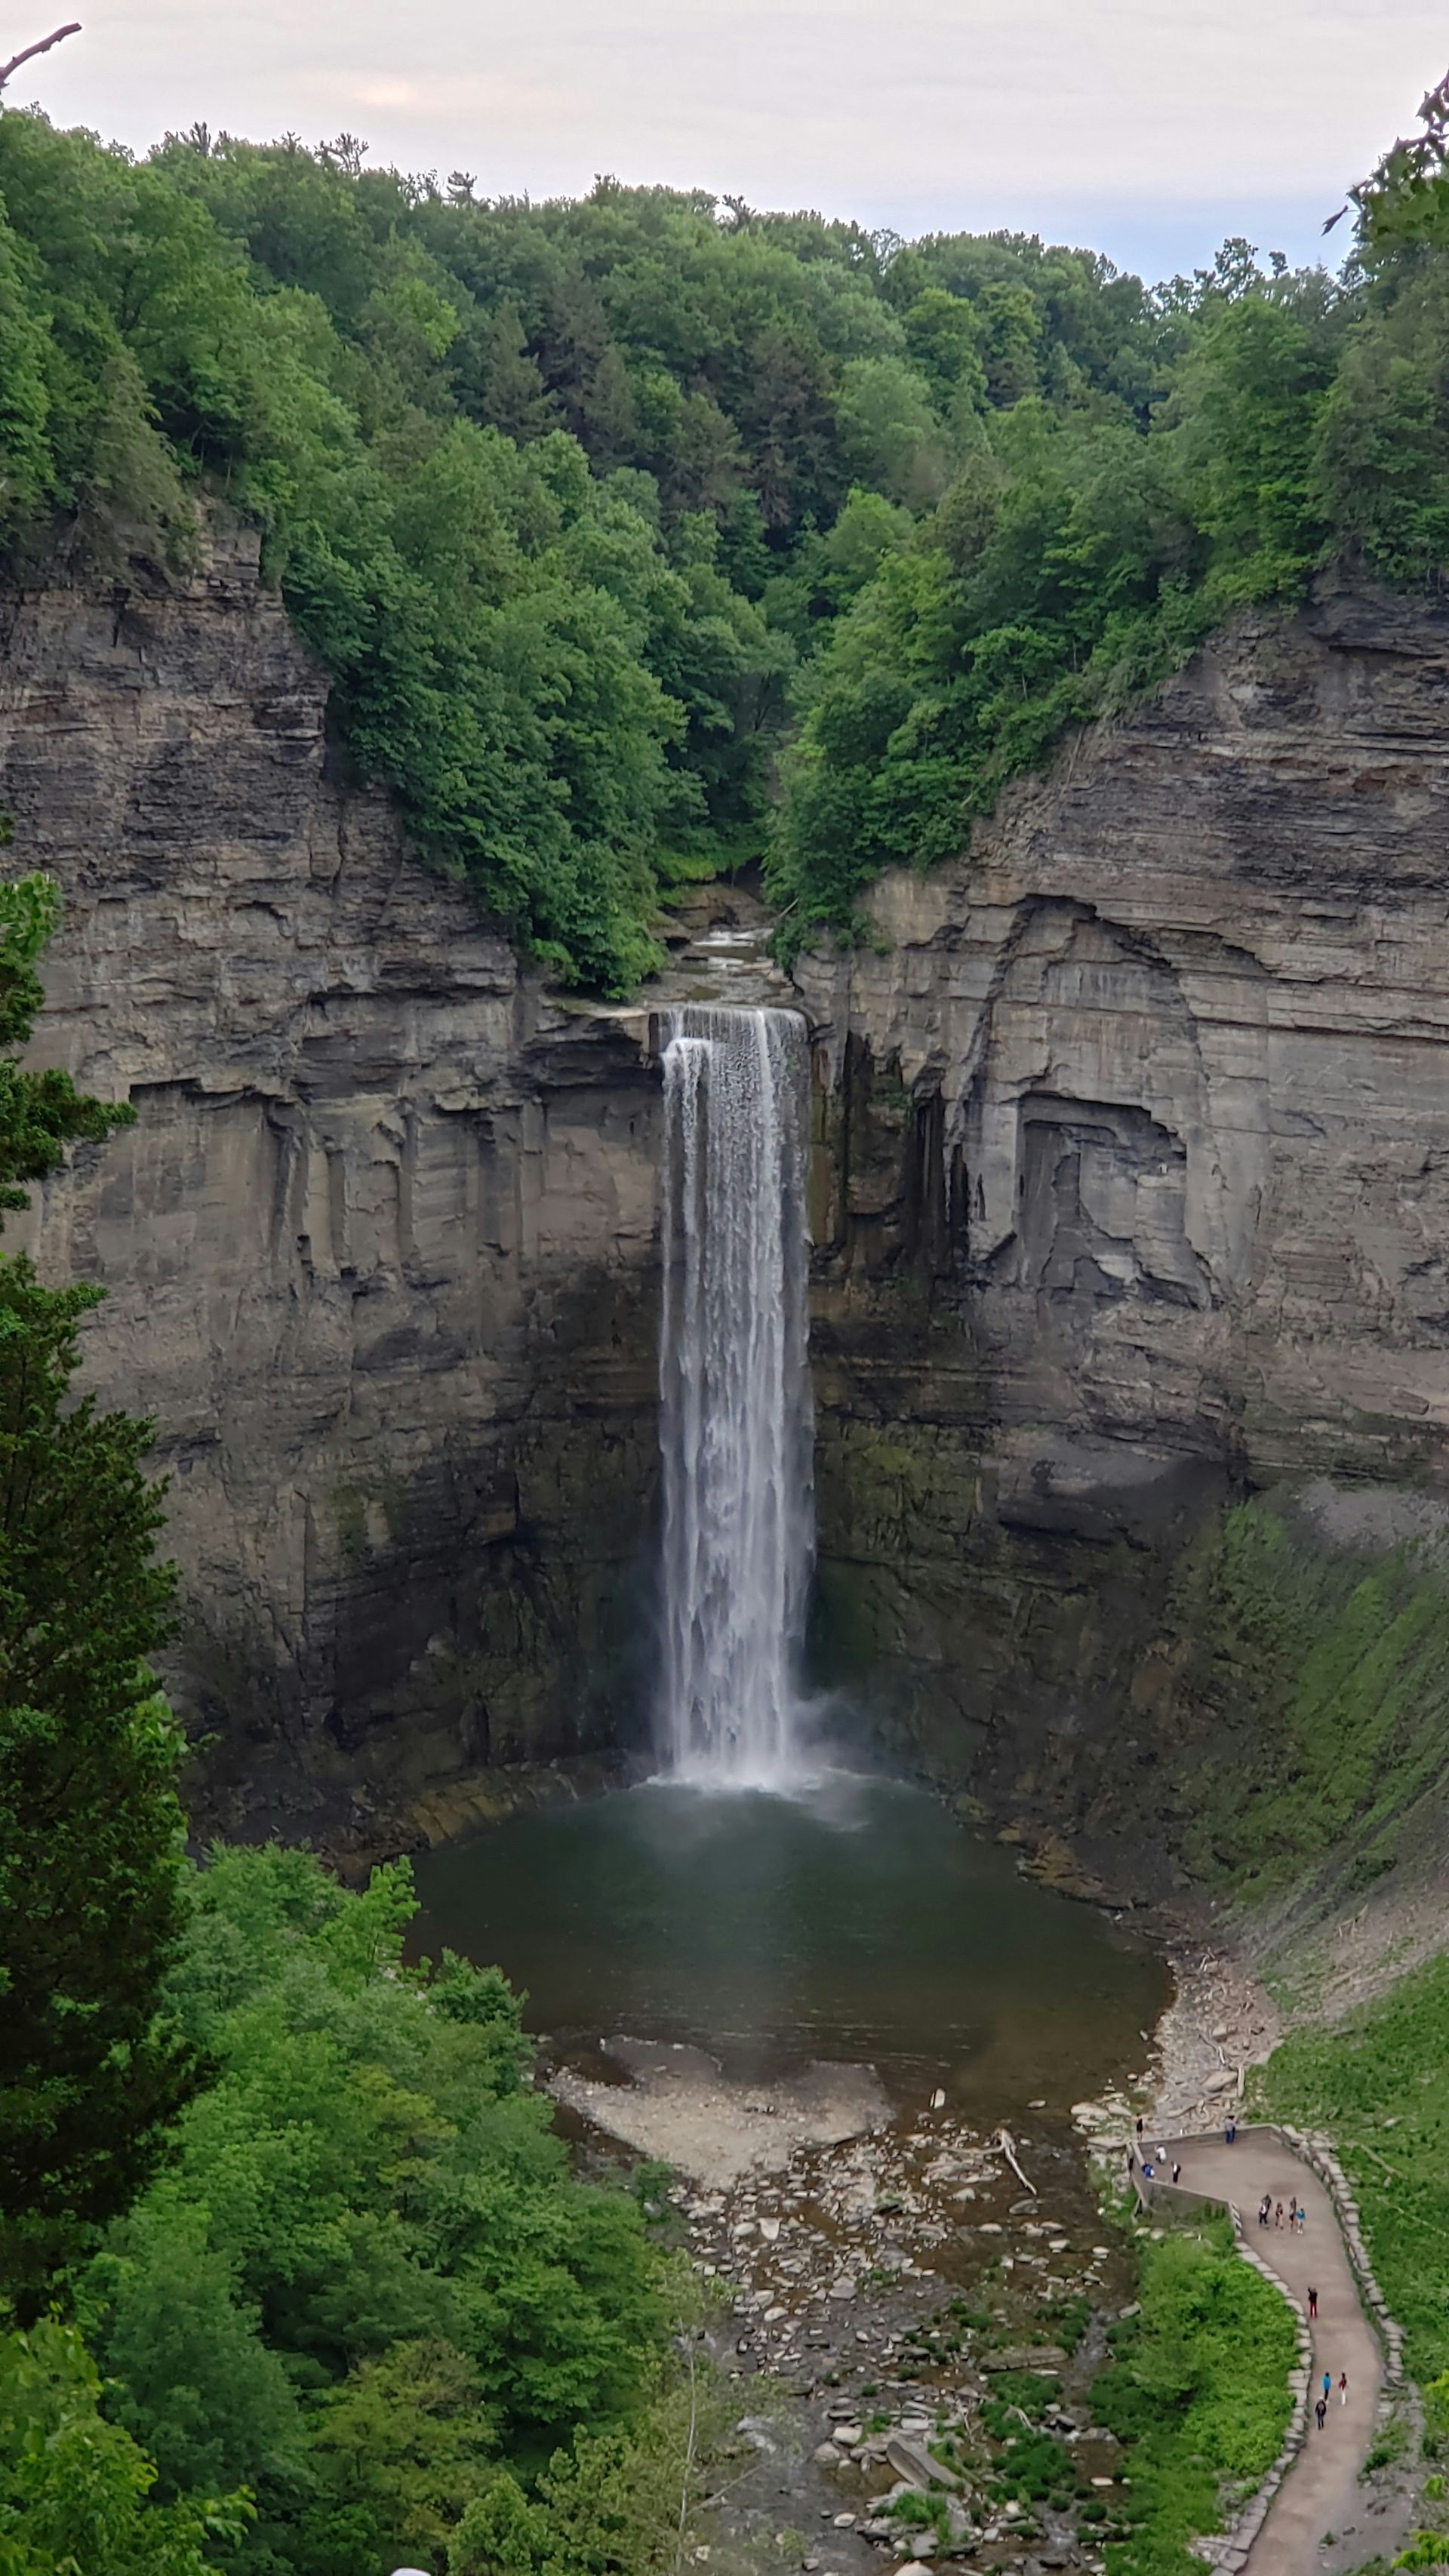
(1005, 2145)
(42, 45)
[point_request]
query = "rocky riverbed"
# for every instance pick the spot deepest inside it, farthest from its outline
(911, 2324)
(911, 2319)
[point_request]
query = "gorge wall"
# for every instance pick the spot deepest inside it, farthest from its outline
(1133, 1186)
(1131, 1196)
(380, 1246)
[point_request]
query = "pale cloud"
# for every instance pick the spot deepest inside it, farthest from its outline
(1147, 119)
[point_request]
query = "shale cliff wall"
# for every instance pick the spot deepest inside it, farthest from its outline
(380, 1248)
(1133, 1185)
(1131, 1197)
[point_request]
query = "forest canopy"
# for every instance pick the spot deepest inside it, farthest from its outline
(646, 534)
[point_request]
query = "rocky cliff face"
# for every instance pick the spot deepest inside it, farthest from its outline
(1134, 1179)
(380, 1247)
(1131, 1194)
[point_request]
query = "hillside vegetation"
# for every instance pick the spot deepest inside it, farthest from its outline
(608, 517)
(1308, 1711)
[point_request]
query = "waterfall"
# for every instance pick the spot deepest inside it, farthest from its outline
(735, 1417)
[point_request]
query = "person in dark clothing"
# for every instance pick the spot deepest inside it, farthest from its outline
(1230, 2130)
(1321, 2411)
(1177, 2173)
(1265, 2209)
(1313, 2303)
(1139, 2128)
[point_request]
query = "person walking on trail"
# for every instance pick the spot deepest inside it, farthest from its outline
(1278, 2215)
(1343, 2388)
(1302, 2218)
(1293, 2215)
(1327, 2385)
(1139, 2128)
(1177, 2172)
(1312, 2305)
(1321, 2411)
(1265, 2209)
(1230, 2130)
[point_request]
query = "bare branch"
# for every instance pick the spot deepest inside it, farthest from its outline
(43, 47)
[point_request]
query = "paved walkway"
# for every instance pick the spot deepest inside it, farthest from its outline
(1320, 2492)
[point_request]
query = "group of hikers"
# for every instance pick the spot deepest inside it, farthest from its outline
(1271, 2216)
(1154, 2159)
(1320, 2408)
(1271, 2213)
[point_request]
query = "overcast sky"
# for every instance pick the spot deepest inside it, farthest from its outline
(1147, 128)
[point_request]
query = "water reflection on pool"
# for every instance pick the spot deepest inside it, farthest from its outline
(856, 1920)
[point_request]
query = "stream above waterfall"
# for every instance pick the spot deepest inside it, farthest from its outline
(858, 1923)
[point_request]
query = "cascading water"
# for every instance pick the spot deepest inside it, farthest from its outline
(735, 1416)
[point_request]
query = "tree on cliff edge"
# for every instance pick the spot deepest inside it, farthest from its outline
(90, 1825)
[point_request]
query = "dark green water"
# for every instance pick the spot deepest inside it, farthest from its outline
(860, 1922)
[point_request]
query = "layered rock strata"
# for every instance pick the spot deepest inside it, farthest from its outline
(1134, 1170)
(1131, 1192)
(380, 1247)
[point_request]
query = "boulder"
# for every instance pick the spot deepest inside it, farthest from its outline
(910, 2459)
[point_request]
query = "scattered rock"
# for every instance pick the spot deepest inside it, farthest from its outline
(910, 2459)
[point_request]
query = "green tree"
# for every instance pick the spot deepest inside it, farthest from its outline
(944, 339)
(40, 1113)
(1009, 340)
(75, 2492)
(1404, 202)
(90, 1827)
(890, 435)
(405, 2443)
(367, 2280)
(511, 391)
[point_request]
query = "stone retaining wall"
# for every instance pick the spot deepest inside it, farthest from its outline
(1317, 2152)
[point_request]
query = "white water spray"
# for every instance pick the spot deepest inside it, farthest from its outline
(735, 1416)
